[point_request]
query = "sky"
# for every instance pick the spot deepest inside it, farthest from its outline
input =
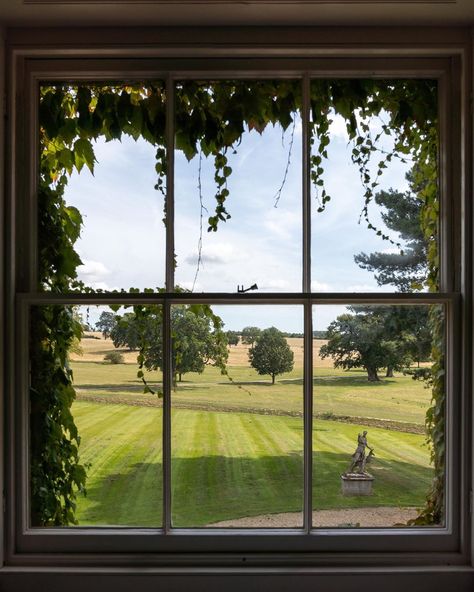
(122, 244)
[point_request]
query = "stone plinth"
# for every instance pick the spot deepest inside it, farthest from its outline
(356, 484)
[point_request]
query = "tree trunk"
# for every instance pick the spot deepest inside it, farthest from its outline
(273, 378)
(389, 373)
(372, 375)
(180, 377)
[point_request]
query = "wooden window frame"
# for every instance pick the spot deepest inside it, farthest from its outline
(33, 59)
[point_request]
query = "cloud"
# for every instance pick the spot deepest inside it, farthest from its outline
(92, 270)
(216, 254)
(210, 258)
(338, 128)
(189, 286)
(283, 223)
(275, 284)
(320, 287)
(363, 288)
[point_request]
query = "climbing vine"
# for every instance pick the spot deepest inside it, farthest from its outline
(210, 119)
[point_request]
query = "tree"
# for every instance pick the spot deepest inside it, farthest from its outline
(363, 340)
(250, 335)
(407, 270)
(106, 323)
(195, 343)
(271, 354)
(196, 340)
(232, 337)
(127, 332)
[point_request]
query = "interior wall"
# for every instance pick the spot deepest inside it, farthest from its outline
(2, 258)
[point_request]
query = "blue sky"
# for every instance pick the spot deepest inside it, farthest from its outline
(123, 241)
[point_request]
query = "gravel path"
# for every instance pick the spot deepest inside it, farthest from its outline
(362, 517)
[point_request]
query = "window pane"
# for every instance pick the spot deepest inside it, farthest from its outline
(237, 439)
(376, 369)
(119, 426)
(253, 129)
(375, 201)
(98, 175)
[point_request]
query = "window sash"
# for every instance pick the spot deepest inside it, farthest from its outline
(189, 539)
(26, 78)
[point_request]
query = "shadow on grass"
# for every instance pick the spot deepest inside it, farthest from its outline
(342, 381)
(115, 388)
(209, 489)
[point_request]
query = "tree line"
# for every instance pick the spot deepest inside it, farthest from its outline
(195, 342)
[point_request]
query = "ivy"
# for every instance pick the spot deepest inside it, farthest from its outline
(210, 120)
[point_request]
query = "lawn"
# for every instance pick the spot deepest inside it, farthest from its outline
(335, 391)
(230, 465)
(237, 446)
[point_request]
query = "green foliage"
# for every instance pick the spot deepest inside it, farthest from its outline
(106, 323)
(197, 338)
(195, 343)
(56, 474)
(128, 331)
(319, 334)
(271, 354)
(114, 358)
(250, 335)
(369, 340)
(406, 270)
(233, 337)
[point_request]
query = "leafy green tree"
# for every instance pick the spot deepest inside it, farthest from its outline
(407, 270)
(196, 340)
(127, 332)
(233, 337)
(106, 323)
(195, 343)
(319, 334)
(271, 354)
(362, 340)
(401, 213)
(250, 335)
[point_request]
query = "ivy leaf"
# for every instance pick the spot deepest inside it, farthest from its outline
(84, 154)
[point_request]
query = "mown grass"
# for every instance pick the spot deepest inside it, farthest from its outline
(237, 445)
(230, 465)
(335, 391)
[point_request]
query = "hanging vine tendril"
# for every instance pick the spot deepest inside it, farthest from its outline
(202, 209)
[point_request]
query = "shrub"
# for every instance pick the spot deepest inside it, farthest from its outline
(114, 357)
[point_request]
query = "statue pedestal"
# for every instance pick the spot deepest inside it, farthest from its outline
(356, 484)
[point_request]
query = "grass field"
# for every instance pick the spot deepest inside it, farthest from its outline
(239, 452)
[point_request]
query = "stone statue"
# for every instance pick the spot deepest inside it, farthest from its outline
(359, 458)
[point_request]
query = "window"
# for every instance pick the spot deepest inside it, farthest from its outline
(304, 294)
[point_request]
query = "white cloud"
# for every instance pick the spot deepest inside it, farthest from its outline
(274, 284)
(189, 286)
(92, 270)
(363, 288)
(338, 128)
(320, 287)
(215, 254)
